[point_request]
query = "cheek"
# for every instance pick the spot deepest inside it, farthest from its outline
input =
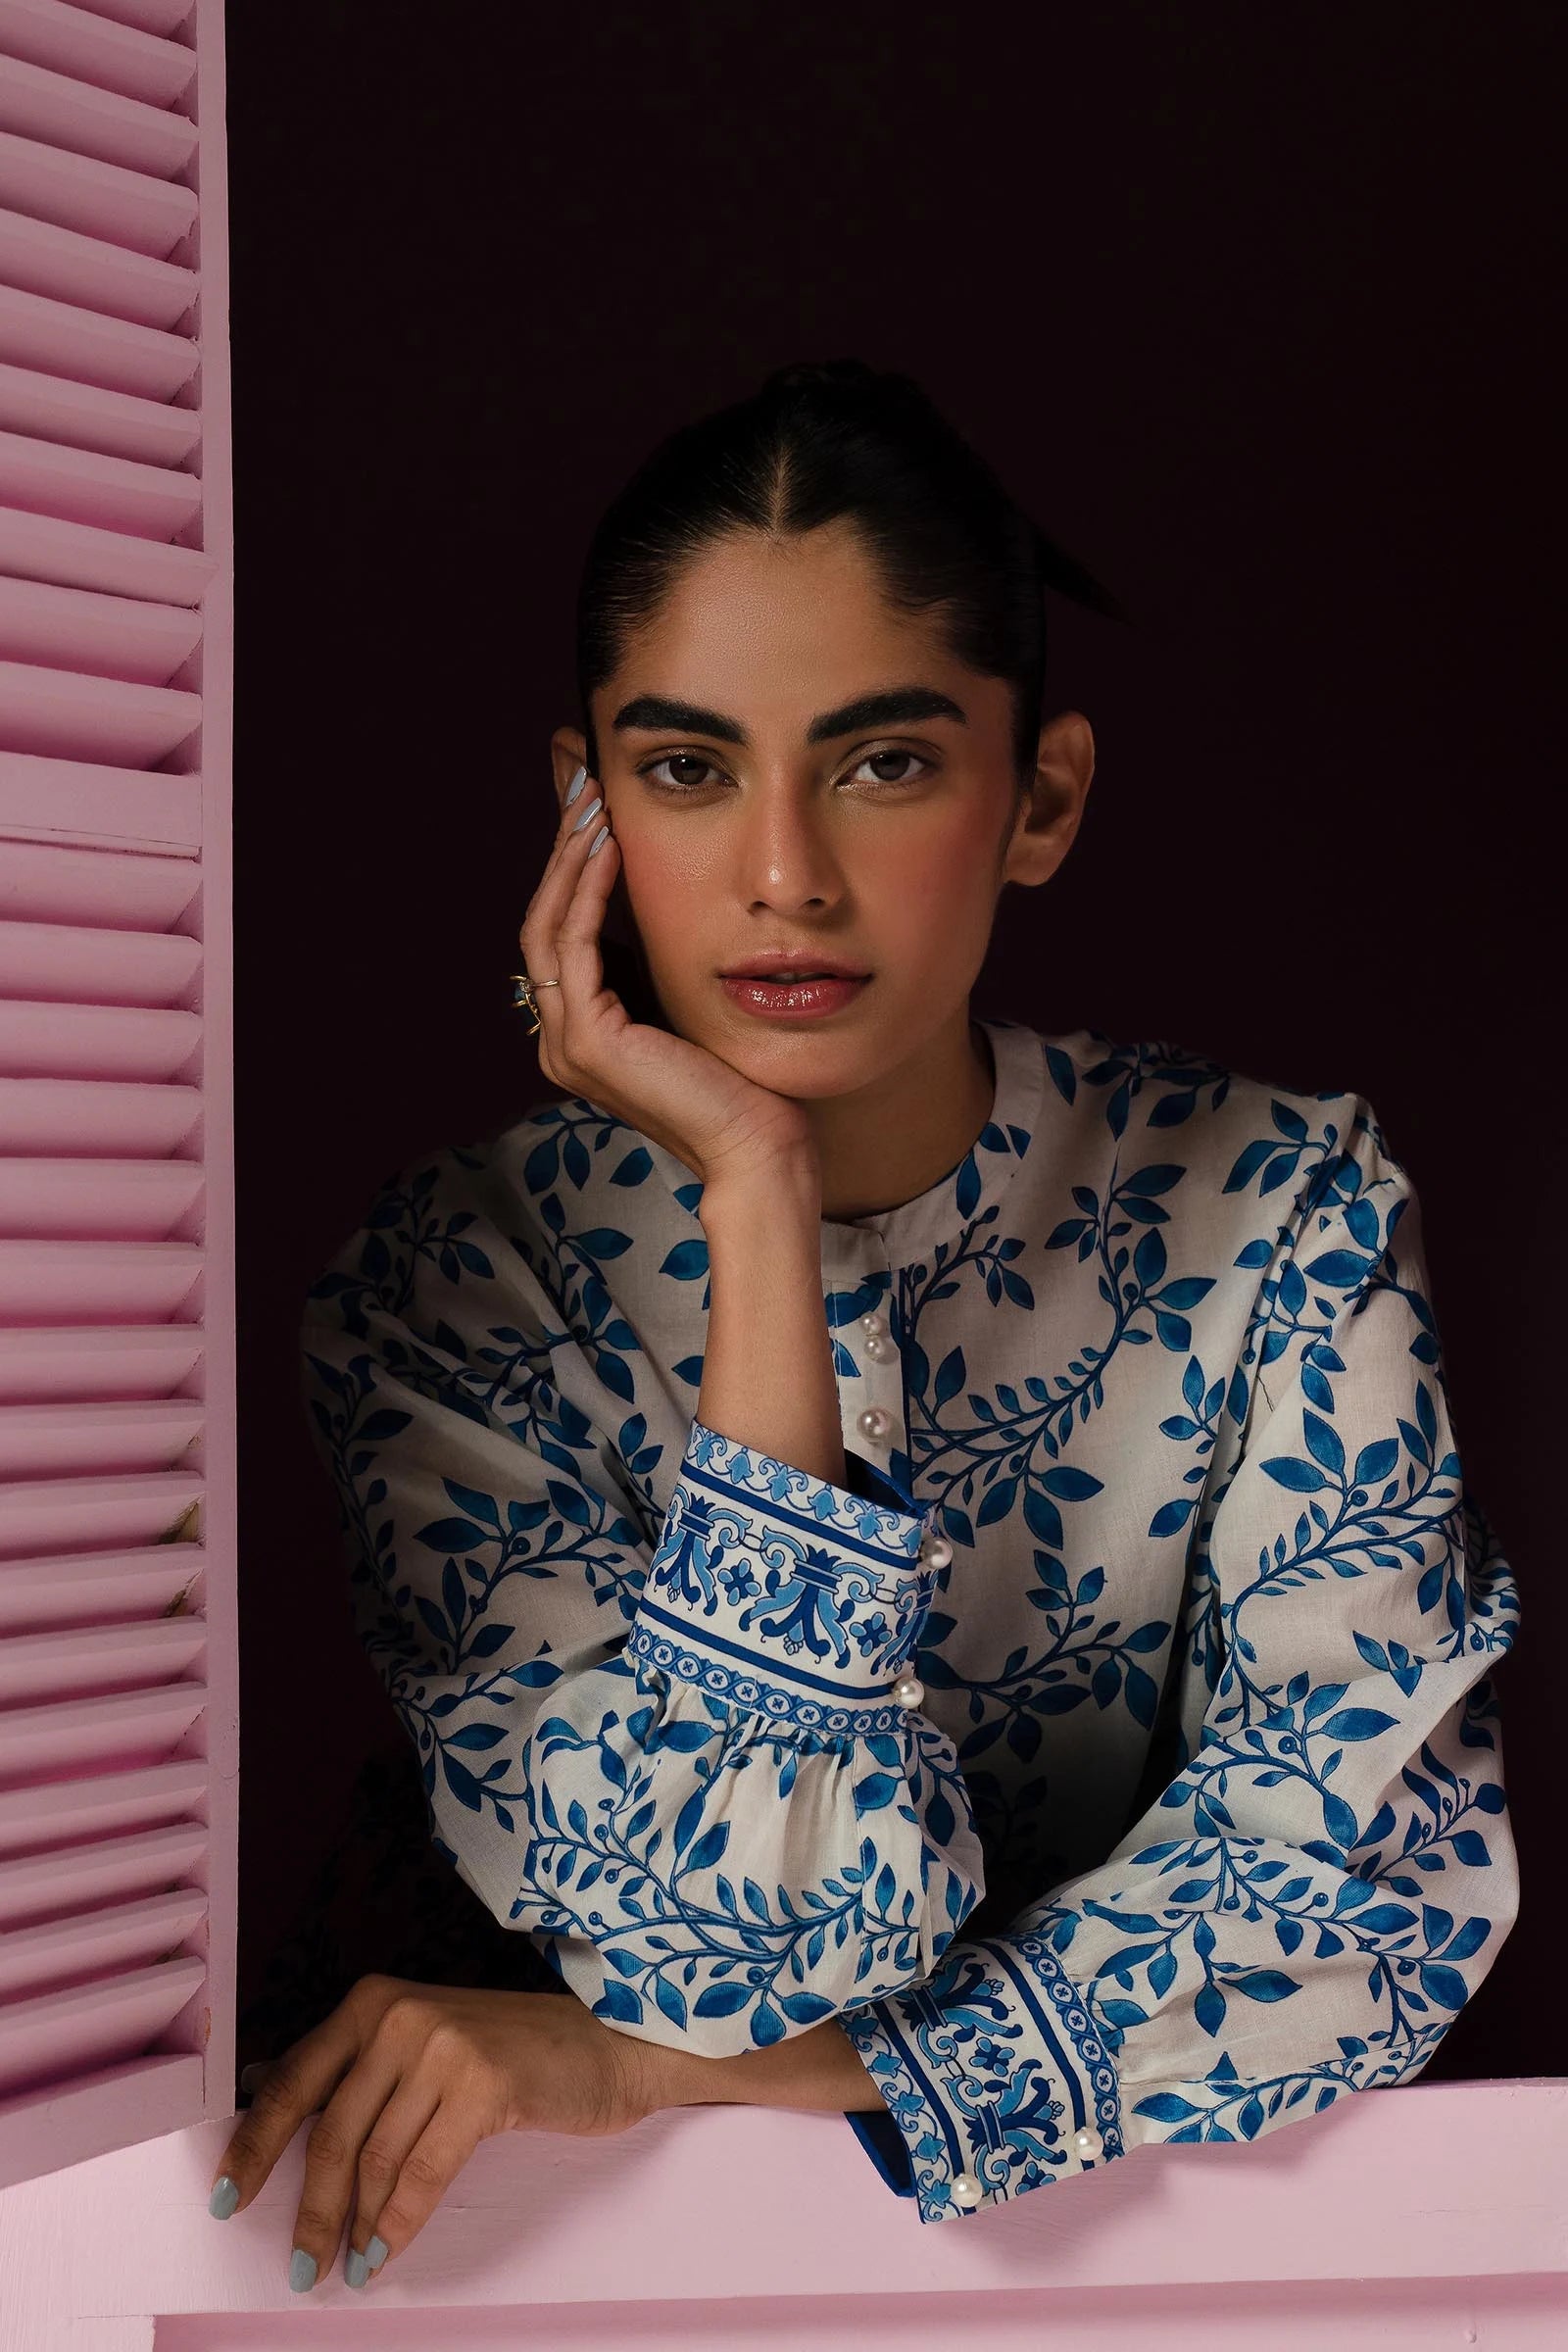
(933, 876)
(668, 896)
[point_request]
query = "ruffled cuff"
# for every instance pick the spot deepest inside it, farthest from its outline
(783, 1593)
(994, 2076)
(742, 1822)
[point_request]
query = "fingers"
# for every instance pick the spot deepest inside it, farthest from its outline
(294, 2086)
(424, 2137)
(560, 935)
(336, 2157)
(303, 2082)
(559, 880)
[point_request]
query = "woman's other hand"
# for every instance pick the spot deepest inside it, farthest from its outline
(404, 2079)
(695, 1105)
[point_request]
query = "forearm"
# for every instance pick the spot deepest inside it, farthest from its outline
(768, 1382)
(819, 2070)
(767, 1362)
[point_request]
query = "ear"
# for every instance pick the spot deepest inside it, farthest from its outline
(1048, 821)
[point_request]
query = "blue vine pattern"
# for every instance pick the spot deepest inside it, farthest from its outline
(1199, 1821)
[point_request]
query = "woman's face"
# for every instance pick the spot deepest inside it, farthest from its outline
(769, 810)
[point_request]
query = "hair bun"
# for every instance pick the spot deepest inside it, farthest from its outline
(829, 375)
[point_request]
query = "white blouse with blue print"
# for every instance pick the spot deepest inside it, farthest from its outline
(1115, 1756)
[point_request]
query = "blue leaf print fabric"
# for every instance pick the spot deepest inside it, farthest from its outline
(1116, 1756)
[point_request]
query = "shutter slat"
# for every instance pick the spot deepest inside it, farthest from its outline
(57, 2124)
(68, 715)
(82, 804)
(96, 1118)
(97, 1199)
(151, 16)
(115, 636)
(117, 1937)
(38, 1516)
(97, 1657)
(156, 1582)
(79, 485)
(38, 1887)
(114, 57)
(61, 1282)
(46, 408)
(61, 339)
(129, 208)
(152, 1361)
(79, 963)
(133, 1727)
(38, 1594)
(40, 104)
(78, 555)
(49, 885)
(67, 1811)
(95, 1040)
(118, 1680)
(130, 1433)
(91, 2023)
(40, 258)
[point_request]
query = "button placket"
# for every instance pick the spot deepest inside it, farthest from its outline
(878, 1419)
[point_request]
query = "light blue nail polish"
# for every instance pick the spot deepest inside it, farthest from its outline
(356, 2269)
(576, 785)
(600, 838)
(375, 2253)
(592, 810)
(225, 2198)
(301, 2270)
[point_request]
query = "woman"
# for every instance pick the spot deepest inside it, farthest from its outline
(924, 1563)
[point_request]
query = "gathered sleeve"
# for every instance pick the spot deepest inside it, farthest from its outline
(673, 1752)
(1307, 1906)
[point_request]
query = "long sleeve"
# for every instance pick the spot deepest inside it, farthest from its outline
(671, 1751)
(1304, 1910)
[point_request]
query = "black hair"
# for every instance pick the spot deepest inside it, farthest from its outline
(824, 442)
(820, 443)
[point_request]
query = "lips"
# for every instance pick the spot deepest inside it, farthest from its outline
(799, 968)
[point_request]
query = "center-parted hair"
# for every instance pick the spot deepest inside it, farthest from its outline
(835, 441)
(828, 442)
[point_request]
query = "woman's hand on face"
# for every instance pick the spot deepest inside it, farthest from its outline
(405, 2081)
(689, 1100)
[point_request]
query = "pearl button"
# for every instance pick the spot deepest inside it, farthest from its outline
(908, 1691)
(873, 1422)
(879, 1348)
(935, 1550)
(875, 1325)
(967, 2190)
(1088, 2143)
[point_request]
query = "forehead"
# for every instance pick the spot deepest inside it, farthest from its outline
(757, 616)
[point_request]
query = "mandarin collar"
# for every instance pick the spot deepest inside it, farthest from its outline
(978, 1183)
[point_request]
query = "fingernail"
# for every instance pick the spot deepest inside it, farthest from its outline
(592, 809)
(301, 2270)
(576, 785)
(356, 2269)
(225, 2198)
(375, 2253)
(599, 841)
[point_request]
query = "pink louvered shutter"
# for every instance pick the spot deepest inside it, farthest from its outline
(118, 1672)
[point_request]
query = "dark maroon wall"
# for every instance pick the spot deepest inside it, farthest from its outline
(1250, 306)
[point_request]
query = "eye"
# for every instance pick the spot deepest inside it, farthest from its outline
(912, 760)
(687, 771)
(676, 759)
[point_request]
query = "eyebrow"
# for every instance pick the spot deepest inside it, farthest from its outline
(890, 708)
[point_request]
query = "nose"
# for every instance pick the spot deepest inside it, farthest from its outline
(785, 855)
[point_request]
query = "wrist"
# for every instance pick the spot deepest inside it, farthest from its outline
(818, 2071)
(756, 1197)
